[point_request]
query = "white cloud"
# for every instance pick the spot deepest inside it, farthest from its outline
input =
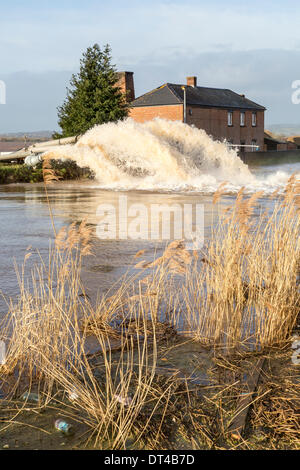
(252, 49)
(53, 38)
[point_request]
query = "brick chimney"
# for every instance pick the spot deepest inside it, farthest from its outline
(126, 83)
(191, 81)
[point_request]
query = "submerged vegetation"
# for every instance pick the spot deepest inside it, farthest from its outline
(232, 303)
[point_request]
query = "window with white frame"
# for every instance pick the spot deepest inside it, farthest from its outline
(254, 119)
(230, 118)
(243, 118)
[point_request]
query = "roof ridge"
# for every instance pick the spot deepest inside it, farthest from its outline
(151, 91)
(155, 90)
(169, 85)
(245, 98)
(206, 87)
(171, 93)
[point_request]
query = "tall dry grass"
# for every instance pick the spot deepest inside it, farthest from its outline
(246, 292)
(47, 333)
(241, 293)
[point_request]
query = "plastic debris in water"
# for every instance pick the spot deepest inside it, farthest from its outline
(296, 342)
(63, 427)
(73, 395)
(126, 401)
(34, 397)
(2, 353)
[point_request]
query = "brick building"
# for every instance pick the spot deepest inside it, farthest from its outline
(294, 142)
(272, 143)
(222, 113)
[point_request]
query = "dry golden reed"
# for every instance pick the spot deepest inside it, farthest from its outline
(49, 174)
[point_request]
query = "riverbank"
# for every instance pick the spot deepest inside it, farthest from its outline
(190, 416)
(20, 173)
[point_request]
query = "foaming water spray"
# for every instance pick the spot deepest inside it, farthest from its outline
(156, 155)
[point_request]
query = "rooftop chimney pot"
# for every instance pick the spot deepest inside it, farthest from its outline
(126, 83)
(191, 81)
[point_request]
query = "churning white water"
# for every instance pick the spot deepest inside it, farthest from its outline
(161, 155)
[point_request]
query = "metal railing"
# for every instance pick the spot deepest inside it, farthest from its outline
(255, 148)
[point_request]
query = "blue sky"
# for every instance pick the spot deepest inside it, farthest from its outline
(250, 48)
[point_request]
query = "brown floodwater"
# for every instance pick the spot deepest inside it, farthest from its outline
(26, 226)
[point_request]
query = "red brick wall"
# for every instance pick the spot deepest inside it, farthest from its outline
(212, 120)
(172, 112)
(282, 146)
(191, 81)
(291, 146)
(126, 83)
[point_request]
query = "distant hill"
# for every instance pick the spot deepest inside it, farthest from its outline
(279, 130)
(285, 130)
(38, 135)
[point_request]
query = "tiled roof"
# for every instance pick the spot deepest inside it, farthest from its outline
(295, 139)
(269, 136)
(170, 94)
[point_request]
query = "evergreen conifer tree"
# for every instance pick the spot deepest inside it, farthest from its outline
(93, 97)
